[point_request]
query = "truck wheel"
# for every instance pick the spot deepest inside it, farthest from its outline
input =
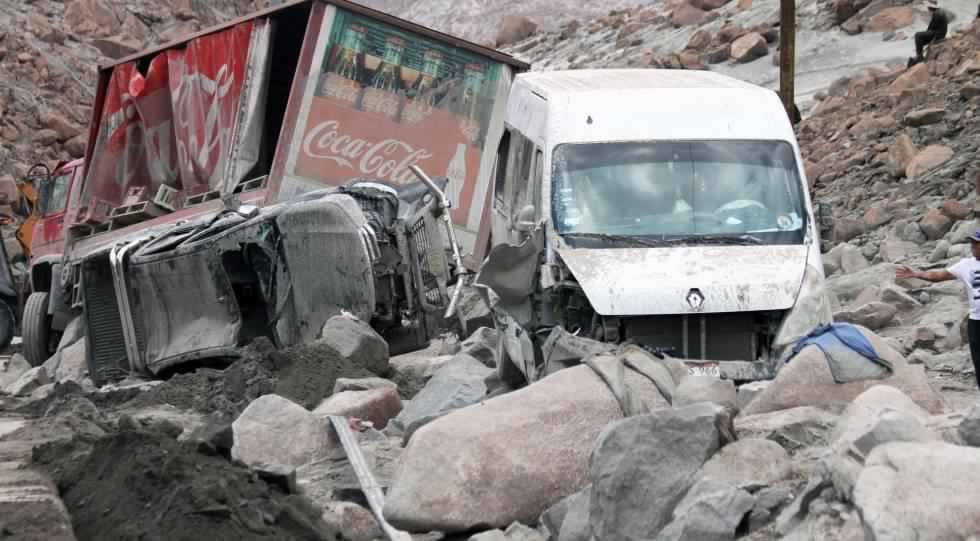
(36, 329)
(8, 324)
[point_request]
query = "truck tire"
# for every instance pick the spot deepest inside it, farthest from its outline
(37, 329)
(8, 324)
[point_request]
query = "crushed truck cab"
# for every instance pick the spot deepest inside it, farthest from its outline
(667, 208)
(259, 177)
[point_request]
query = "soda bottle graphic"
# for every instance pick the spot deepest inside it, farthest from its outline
(456, 173)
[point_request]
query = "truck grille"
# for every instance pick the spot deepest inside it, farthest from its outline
(714, 337)
(423, 250)
(106, 347)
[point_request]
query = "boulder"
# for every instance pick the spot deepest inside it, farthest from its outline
(747, 392)
(711, 511)
(513, 29)
(879, 415)
(275, 431)
(928, 159)
(28, 381)
(890, 19)
(699, 41)
(482, 346)
(924, 117)
(687, 15)
(900, 154)
(919, 491)
(493, 463)
(568, 520)
(851, 259)
(894, 251)
(73, 365)
(358, 342)
(749, 461)
(935, 224)
(969, 429)
(12, 368)
(806, 380)
(845, 9)
(462, 382)
(375, 405)
(749, 47)
(955, 210)
(914, 77)
(643, 466)
(355, 522)
(873, 315)
(694, 389)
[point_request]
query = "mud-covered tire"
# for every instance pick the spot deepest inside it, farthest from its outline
(36, 327)
(8, 325)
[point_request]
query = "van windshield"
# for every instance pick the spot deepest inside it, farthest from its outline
(690, 191)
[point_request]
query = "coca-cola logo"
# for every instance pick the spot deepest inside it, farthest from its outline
(387, 159)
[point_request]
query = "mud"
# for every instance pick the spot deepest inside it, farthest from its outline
(136, 484)
(304, 374)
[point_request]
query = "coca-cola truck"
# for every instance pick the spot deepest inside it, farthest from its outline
(259, 177)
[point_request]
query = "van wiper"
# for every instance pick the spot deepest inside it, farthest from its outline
(637, 241)
(743, 240)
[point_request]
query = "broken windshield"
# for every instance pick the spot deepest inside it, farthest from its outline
(679, 190)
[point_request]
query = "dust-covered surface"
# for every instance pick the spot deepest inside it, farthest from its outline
(135, 484)
(305, 374)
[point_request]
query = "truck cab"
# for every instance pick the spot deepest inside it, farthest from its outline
(665, 208)
(44, 315)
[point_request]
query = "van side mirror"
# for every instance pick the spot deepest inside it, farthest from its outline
(825, 216)
(524, 221)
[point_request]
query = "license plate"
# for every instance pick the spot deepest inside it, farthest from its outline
(712, 370)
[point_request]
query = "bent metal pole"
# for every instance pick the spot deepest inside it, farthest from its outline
(787, 52)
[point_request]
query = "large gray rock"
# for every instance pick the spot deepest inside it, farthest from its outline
(711, 511)
(482, 346)
(806, 380)
(792, 429)
(749, 462)
(462, 382)
(873, 315)
(749, 391)
(73, 365)
(352, 520)
(12, 368)
(969, 429)
(361, 384)
(694, 389)
(553, 518)
(851, 259)
(879, 415)
(357, 341)
(920, 491)
(28, 381)
(275, 431)
(643, 466)
(577, 525)
(510, 457)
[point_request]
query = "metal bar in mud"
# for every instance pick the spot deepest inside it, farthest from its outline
(372, 490)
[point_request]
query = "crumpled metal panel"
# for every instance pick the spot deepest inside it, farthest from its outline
(654, 281)
(329, 267)
(185, 305)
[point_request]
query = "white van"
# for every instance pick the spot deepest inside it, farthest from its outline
(668, 208)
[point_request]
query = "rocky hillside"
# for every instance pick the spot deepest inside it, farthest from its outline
(740, 38)
(49, 53)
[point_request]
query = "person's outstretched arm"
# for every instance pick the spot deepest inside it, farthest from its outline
(929, 276)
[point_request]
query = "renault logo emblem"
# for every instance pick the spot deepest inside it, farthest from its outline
(695, 298)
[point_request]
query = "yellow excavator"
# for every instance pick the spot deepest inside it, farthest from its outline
(25, 209)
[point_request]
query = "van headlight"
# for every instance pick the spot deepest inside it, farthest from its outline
(812, 309)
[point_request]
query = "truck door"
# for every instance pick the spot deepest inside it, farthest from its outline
(512, 191)
(52, 203)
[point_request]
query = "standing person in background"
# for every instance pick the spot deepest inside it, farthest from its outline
(967, 271)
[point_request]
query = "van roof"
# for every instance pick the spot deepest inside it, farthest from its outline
(563, 83)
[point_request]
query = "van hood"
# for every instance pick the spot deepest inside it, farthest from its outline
(654, 281)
